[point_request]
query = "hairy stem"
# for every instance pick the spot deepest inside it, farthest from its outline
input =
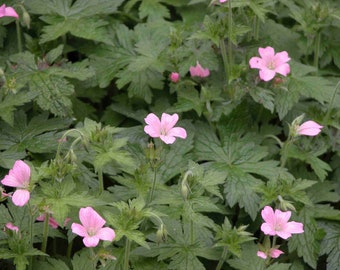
(45, 233)
(101, 180)
(127, 254)
(222, 259)
(19, 38)
(331, 103)
(153, 184)
(317, 49)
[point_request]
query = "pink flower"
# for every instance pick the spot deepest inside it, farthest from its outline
(8, 12)
(19, 177)
(92, 228)
(273, 253)
(164, 128)
(174, 77)
(309, 128)
(12, 227)
(270, 63)
(199, 71)
(51, 221)
(222, 1)
(276, 223)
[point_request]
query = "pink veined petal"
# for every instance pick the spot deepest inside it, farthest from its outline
(310, 128)
(167, 139)
(275, 253)
(91, 219)
(267, 53)
(268, 229)
(11, 181)
(310, 131)
(268, 214)
(20, 197)
(262, 255)
(267, 74)
(168, 121)
(91, 241)
(21, 170)
(178, 132)
(256, 62)
(282, 217)
(12, 227)
(284, 234)
(106, 234)
(10, 12)
(79, 229)
(53, 223)
(294, 227)
(153, 127)
(283, 69)
(281, 58)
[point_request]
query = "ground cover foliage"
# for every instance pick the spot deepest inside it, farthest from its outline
(79, 79)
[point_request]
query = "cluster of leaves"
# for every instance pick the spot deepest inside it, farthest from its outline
(78, 78)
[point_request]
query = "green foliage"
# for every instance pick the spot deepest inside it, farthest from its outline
(79, 77)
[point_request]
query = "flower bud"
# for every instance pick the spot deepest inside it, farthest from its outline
(162, 234)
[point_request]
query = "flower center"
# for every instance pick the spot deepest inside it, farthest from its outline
(91, 231)
(271, 65)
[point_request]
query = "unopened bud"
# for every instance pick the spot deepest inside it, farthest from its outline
(162, 234)
(26, 19)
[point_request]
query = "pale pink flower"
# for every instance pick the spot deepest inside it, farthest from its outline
(270, 63)
(309, 128)
(174, 77)
(164, 128)
(51, 221)
(12, 227)
(8, 12)
(91, 228)
(276, 223)
(199, 71)
(19, 177)
(273, 253)
(222, 1)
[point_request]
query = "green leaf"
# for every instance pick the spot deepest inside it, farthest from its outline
(153, 10)
(51, 264)
(330, 244)
(264, 97)
(307, 244)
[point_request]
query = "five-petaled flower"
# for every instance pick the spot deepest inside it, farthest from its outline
(270, 63)
(19, 177)
(8, 12)
(309, 128)
(276, 223)
(91, 228)
(199, 71)
(164, 128)
(174, 77)
(272, 253)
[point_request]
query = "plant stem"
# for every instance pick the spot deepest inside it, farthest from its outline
(317, 50)
(256, 28)
(225, 59)
(101, 180)
(19, 39)
(45, 233)
(284, 152)
(69, 249)
(330, 105)
(153, 184)
(127, 254)
(230, 33)
(223, 257)
(31, 235)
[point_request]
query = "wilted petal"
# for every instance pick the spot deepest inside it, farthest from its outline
(20, 197)
(106, 234)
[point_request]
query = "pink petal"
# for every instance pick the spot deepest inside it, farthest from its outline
(78, 229)
(256, 62)
(283, 69)
(177, 132)
(174, 77)
(268, 229)
(294, 227)
(268, 214)
(153, 127)
(167, 139)
(10, 12)
(106, 234)
(90, 219)
(309, 128)
(281, 58)
(168, 121)
(267, 74)
(262, 255)
(267, 53)
(282, 217)
(199, 71)
(20, 197)
(275, 253)
(284, 234)
(12, 227)
(11, 181)
(91, 241)
(21, 171)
